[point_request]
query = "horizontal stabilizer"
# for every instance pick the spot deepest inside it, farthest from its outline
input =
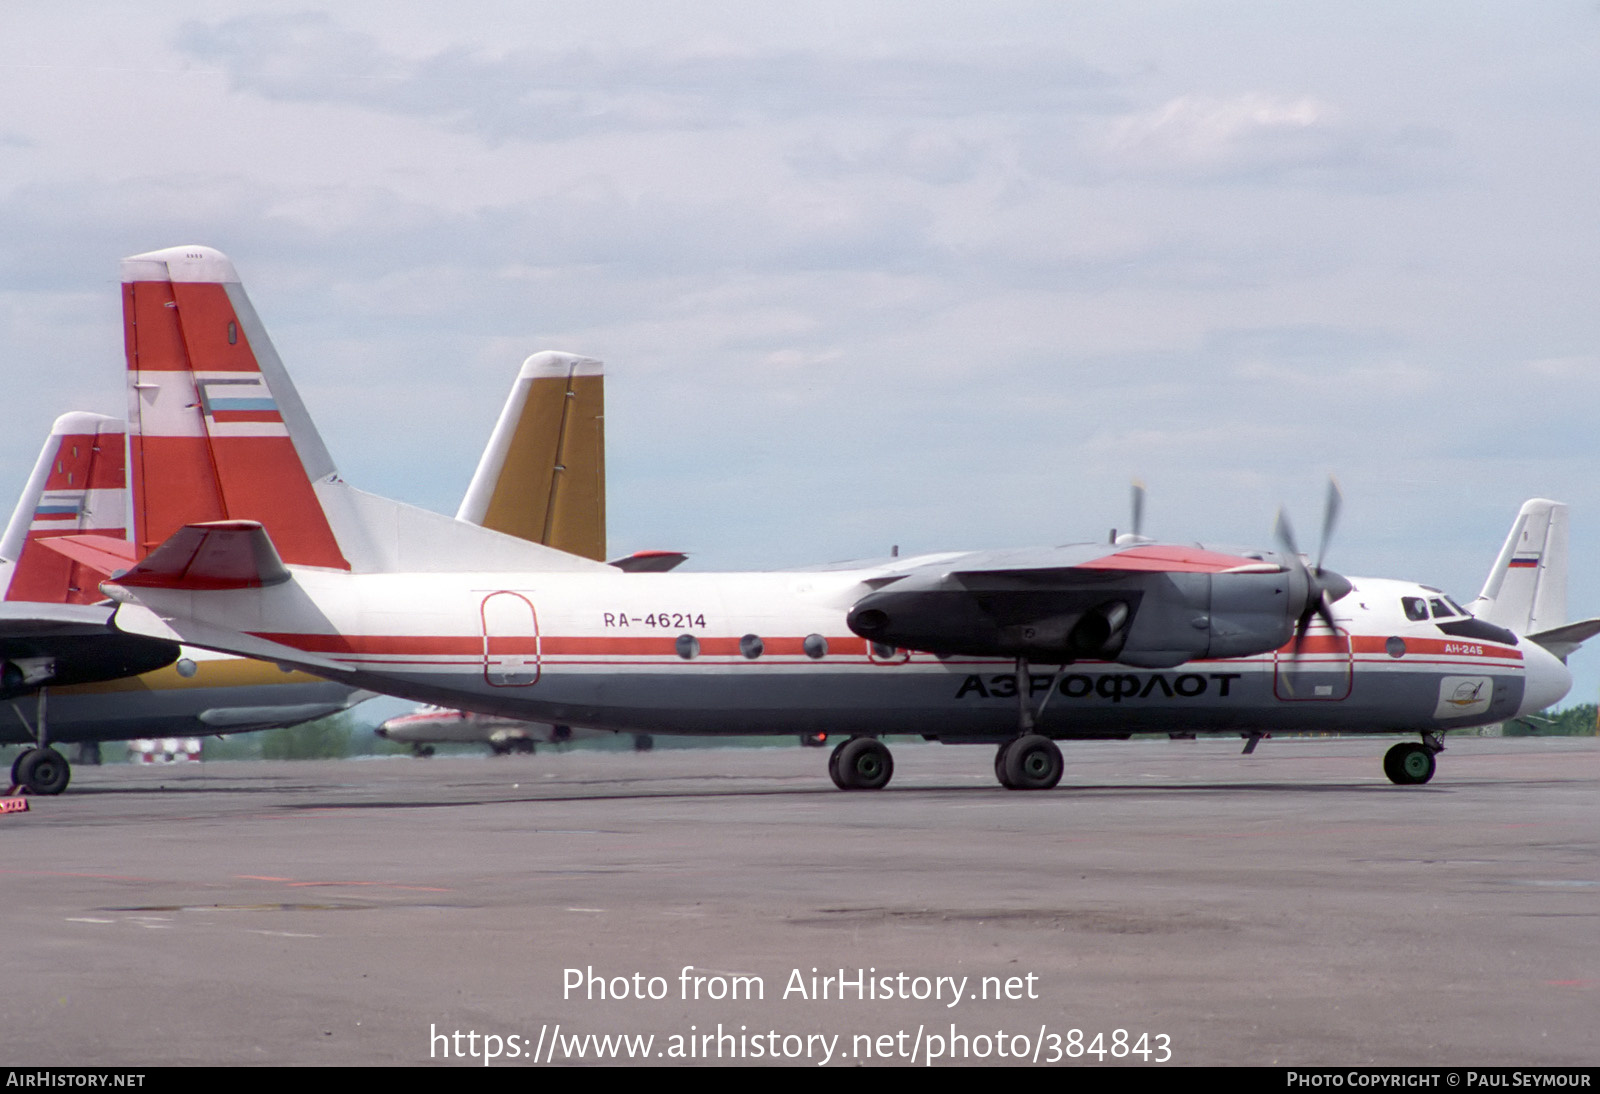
(137, 619)
(224, 554)
(649, 562)
(100, 555)
(1564, 641)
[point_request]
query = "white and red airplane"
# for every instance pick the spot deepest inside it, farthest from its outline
(275, 557)
(69, 678)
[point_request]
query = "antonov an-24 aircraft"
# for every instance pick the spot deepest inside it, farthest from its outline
(279, 559)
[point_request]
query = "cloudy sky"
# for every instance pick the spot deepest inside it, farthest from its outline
(865, 273)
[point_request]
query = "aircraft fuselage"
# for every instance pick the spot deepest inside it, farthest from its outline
(769, 653)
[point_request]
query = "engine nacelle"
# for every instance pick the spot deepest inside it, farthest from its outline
(1150, 620)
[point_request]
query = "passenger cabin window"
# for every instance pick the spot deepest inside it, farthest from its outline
(1416, 607)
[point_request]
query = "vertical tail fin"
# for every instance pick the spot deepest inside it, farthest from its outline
(543, 476)
(216, 429)
(1526, 591)
(78, 485)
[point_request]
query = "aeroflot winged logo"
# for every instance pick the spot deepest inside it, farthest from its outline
(1460, 696)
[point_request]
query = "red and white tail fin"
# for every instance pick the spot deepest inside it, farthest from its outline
(217, 432)
(216, 429)
(78, 486)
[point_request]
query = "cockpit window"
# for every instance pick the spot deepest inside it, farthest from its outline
(1459, 609)
(1439, 609)
(1416, 607)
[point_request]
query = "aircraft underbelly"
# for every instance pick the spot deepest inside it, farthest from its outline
(973, 699)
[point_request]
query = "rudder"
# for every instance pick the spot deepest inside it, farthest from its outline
(216, 430)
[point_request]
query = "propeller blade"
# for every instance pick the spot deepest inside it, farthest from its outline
(1325, 613)
(1330, 517)
(1138, 508)
(1285, 536)
(1322, 586)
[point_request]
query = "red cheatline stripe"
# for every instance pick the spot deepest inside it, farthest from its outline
(1444, 647)
(657, 646)
(554, 645)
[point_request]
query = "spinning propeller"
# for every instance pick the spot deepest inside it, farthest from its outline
(1323, 586)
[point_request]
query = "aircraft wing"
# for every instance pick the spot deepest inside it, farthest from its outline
(58, 644)
(1151, 605)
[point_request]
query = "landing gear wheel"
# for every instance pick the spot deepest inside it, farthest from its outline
(43, 771)
(861, 763)
(1000, 763)
(1409, 764)
(1032, 763)
(16, 766)
(833, 764)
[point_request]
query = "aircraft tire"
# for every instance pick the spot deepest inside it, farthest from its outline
(43, 771)
(833, 764)
(643, 742)
(863, 763)
(1000, 763)
(1033, 763)
(1409, 764)
(16, 766)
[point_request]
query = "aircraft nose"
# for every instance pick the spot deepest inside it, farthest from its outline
(1546, 679)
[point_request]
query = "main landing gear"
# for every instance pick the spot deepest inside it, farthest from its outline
(861, 763)
(41, 769)
(1030, 762)
(1412, 763)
